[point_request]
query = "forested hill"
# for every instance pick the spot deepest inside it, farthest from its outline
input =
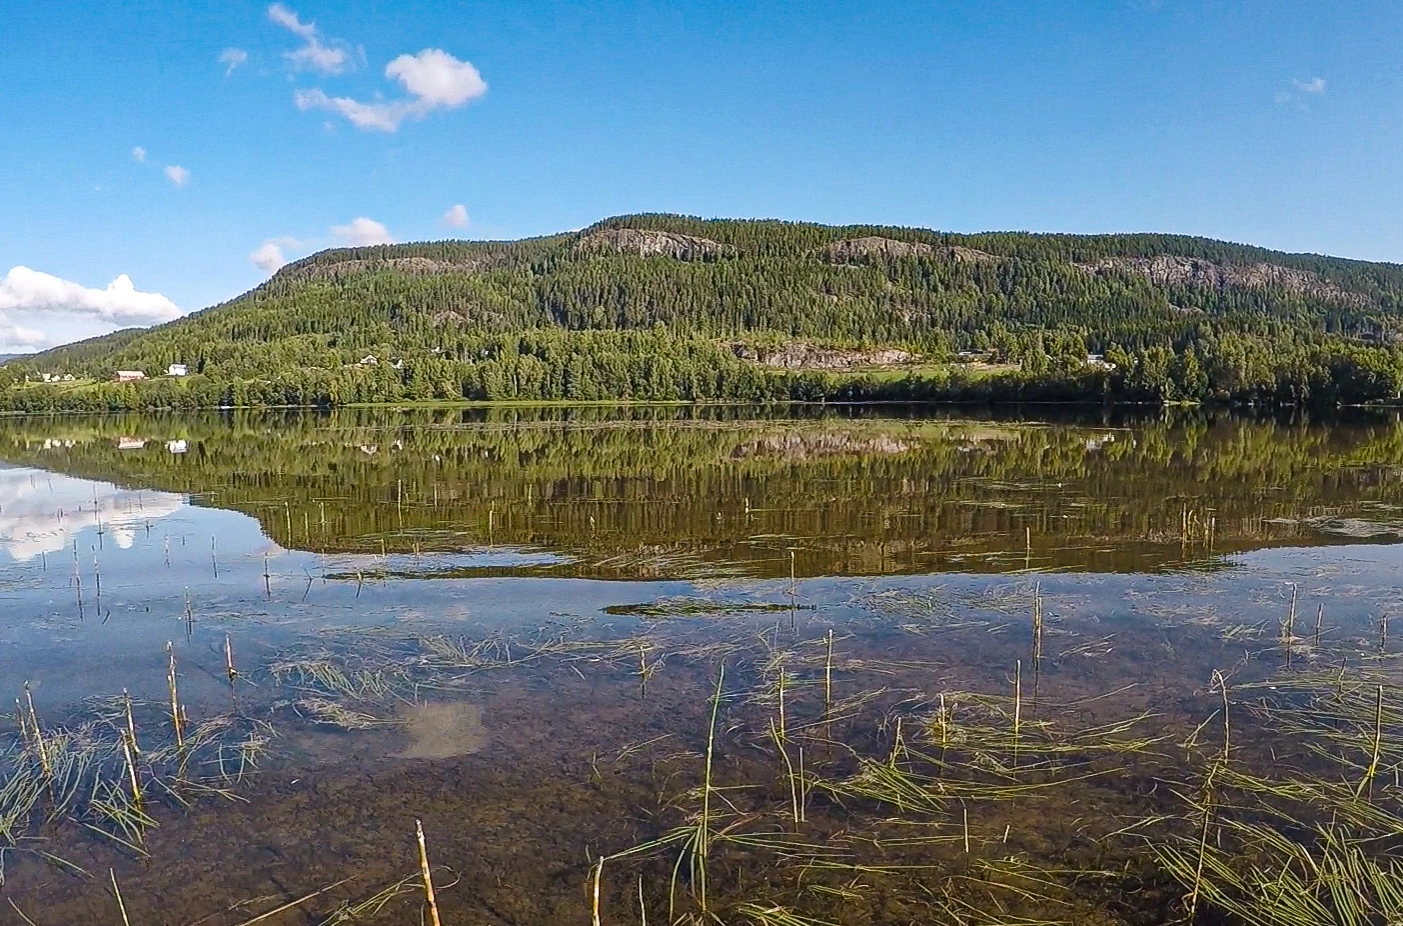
(658, 307)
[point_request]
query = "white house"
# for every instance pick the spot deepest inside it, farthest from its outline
(177, 369)
(177, 446)
(129, 376)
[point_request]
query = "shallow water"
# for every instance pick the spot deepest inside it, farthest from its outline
(508, 624)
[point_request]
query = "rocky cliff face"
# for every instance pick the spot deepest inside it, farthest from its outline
(850, 249)
(647, 243)
(414, 266)
(1167, 270)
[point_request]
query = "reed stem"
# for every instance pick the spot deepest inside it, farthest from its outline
(1037, 623)
(1017, 706)
(704, 830)
(780, 688)
(229, 669)
(1367, 782)
(131, 722)
(176, 721)
(828, 676)
(118, 892)
(598, 874)
(131, 771)
(1288, 629)
(964, 813)
(1222, 684)
(38, 734)
(1202, 843)
(425, 873)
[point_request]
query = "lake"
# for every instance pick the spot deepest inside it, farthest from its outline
(720, 664)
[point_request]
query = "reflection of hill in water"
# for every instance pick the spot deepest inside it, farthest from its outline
(666, 491)
(42, 512)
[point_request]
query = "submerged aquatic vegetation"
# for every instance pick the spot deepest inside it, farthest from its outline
(839, 770)
(702, 607)
(1310, 837)
(95, 774)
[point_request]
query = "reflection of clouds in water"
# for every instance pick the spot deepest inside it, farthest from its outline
(31, 501)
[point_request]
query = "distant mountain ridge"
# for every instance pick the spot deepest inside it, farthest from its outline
(664, 307)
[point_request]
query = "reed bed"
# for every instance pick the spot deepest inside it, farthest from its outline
(973, 807)
(831, 782)
(97, 775)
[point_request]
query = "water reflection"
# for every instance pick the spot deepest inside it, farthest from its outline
(44, 512)
(657, 493)
(272, 528)
(426, 607)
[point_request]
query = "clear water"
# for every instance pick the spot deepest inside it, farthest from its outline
(510, 577)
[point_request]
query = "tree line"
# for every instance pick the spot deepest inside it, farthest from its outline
(551, 319)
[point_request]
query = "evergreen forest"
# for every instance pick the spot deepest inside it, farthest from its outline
(655, 308)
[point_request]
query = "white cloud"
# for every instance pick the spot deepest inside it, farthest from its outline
(456, 216)
(268, 257)
(315, 55)
(177, 175)
(385, 117)
(19, 339)
(38, 310)
(437, 78)
(434, 79)
(231, 58)
(289, 21)
(139, 154)
(121, 302)
(1304, 90)
(362, 232)
(272, 254)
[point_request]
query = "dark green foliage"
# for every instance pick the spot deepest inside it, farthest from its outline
(597, 315)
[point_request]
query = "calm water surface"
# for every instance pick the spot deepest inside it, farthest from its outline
(509, 623)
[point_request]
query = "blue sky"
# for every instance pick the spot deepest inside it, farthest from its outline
(299, 126)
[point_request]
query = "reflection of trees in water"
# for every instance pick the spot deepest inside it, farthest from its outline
(853, 491)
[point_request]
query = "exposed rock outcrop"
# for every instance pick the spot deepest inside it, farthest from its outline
(971, 255)
(847, 250)
(798, 355)
(647, 243)
(421, 266)
(1169, 270)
